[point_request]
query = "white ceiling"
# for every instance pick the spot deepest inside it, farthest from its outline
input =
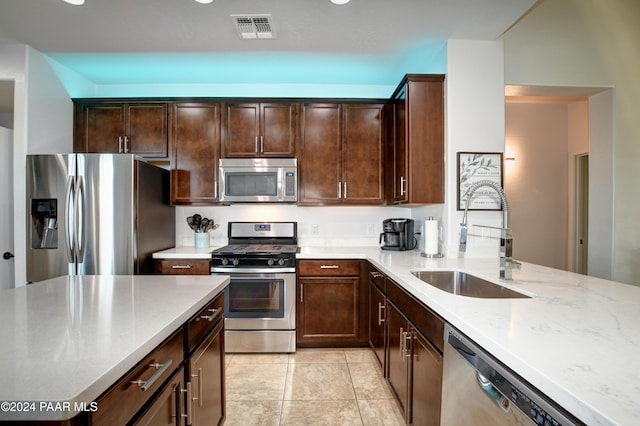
(375, 31)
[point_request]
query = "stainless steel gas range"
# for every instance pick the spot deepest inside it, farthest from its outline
(260, 301)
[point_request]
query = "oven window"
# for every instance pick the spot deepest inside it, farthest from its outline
(242, 184)
(254, 298)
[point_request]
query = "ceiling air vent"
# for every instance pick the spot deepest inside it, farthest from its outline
(253, 26)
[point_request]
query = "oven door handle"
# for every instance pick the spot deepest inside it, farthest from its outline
(241, 271)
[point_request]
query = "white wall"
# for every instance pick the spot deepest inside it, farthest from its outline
(474, 123)
(43, 122)
(536, 182)
(591, 43)
(336, 226)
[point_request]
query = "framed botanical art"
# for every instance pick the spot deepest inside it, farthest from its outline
(476, 166)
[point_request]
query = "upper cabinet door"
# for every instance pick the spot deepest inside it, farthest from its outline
(194, 167)
(259, 130)
(241, 130)
(136, 128)
(418, 164)
(363, 154)
(278, 130)
(320, 154)
(147, 130)
(99, 127)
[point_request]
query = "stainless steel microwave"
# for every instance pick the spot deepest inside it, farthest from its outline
(258, 180)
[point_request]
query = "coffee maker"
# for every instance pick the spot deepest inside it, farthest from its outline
(397, 234)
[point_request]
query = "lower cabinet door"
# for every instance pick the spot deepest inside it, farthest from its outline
(205, 388)
(377, 308)
(398, 356)
(167, 408)
(426, 373)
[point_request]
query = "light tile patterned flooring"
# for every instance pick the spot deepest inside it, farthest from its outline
(310, 387)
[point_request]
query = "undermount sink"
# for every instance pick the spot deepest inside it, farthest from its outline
(463, 284)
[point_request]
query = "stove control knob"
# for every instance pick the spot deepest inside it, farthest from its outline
(225, 262)
(235, 262)
(281, 262)
(270, 262)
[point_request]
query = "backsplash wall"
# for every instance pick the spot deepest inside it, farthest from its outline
(317, 226)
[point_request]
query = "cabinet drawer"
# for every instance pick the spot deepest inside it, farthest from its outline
(120, 403)
(328, 267)
(377, 278)
(183, 267)
(204, 321)
(429, 324)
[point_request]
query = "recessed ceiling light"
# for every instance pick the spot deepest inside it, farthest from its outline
(75, 2)
(340, 2)
(205, 1)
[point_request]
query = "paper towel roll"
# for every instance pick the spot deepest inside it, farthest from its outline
(431, 237)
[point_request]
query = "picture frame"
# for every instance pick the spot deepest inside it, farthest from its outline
(473, 167)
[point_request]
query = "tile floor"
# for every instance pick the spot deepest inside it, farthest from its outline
(310, 387)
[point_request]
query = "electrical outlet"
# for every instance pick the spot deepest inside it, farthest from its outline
(314, 229)
(370, 229)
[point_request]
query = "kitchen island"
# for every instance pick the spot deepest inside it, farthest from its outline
(576, 339)
(65, 341)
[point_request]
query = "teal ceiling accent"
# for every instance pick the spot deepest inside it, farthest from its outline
(164, 74)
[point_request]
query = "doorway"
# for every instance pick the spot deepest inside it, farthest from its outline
(582, 214)
(7, 274)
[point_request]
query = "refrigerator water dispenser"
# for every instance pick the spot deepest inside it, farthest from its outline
(44, 223)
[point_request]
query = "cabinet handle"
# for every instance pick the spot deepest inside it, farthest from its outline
(160, 368)
(329, 266)
(401, 343)
(126, 148)
(261, 144)
(339, 189)
(256, 145)
(380, 308)
(120, 144)
(345, 190)
(301, 292)
(402, 182)
(181, 267)
(199, 397)
(408, 339)
(189, 404)
(376, 274)
(210, 317)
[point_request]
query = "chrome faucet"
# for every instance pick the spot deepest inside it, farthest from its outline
(507, 264)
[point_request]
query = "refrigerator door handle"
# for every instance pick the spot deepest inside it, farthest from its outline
(79, 220)
(69, 207)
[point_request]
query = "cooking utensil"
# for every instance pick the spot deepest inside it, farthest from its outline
(204, 225)
(190, 223)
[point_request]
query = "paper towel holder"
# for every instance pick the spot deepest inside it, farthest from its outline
(438, 242)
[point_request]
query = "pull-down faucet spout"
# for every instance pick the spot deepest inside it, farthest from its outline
(507, 264)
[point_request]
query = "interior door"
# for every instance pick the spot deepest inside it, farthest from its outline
(7, 273)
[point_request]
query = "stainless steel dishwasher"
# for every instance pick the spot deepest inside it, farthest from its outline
(478, 390)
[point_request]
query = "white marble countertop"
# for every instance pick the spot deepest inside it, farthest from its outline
(185, 252)
(68, 339)
(577, 339)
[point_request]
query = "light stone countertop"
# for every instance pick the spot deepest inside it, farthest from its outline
(577, 339)
(69, 339)
(185, 252)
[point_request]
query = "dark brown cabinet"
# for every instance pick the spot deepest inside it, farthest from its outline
(331, 309)
(108, 127)
(196, 144)
(167, 407)
(259, 130)
(415, 340)
(415, 158)
(342, 154)
(377, 316)
(205, 389)
(179, 383)
(183, 267)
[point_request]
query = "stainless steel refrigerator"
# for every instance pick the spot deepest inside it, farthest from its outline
(95, 214)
